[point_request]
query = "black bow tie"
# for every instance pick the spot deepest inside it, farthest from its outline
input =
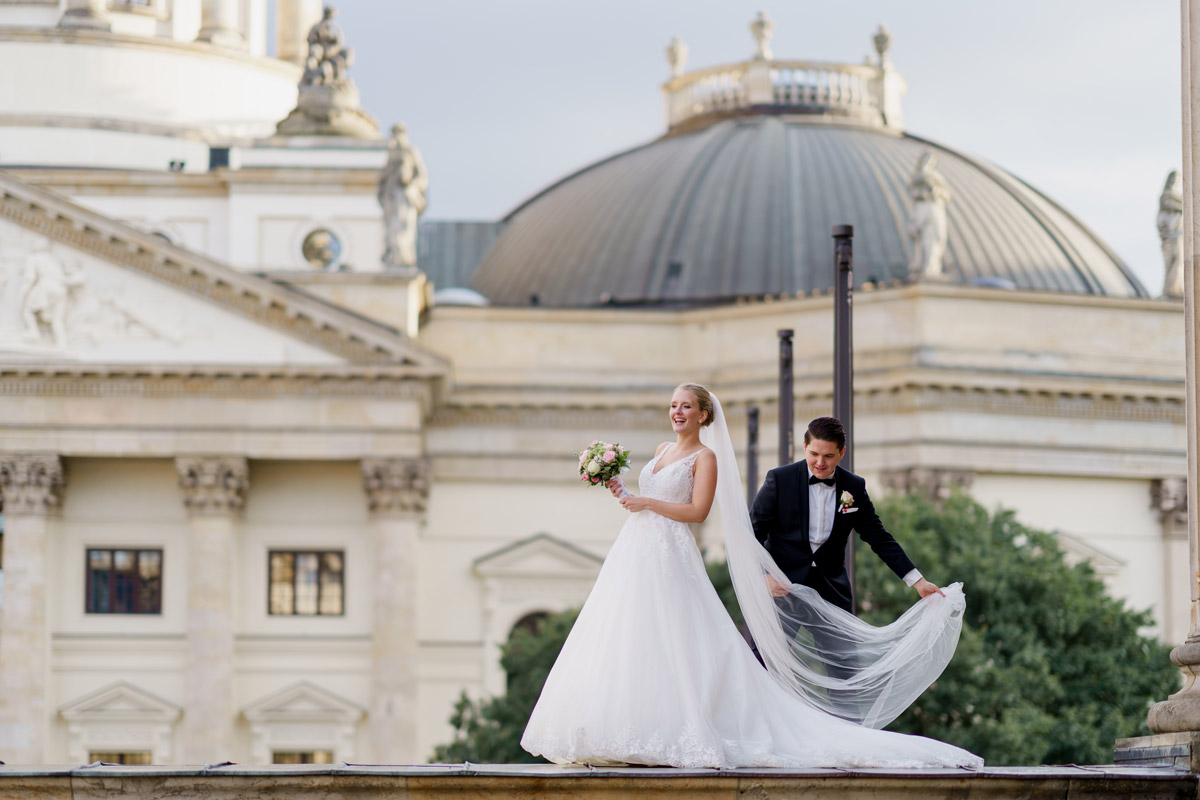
(814, 479)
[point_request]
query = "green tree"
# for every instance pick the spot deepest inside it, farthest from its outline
(488, 731)
(1050, 669)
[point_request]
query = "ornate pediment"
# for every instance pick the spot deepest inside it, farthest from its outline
(302, 702)
(78, 286)
(1076, 549)
(119, 702)
(539, 556)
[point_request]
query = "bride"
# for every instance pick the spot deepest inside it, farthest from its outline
(655, 672)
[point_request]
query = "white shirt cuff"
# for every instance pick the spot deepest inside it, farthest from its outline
(911, 577)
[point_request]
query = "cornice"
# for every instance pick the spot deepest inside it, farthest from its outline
(88, 380)
(800, 303)
(98, 38)
(615, 409)
(273, 304)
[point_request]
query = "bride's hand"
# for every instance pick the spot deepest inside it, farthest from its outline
(614, 486)
(633, 503)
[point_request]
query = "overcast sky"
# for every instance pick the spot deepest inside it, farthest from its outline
(1078, 97)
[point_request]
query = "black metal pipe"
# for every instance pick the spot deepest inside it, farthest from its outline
(787, 399)
(843, 355)
(751, 454)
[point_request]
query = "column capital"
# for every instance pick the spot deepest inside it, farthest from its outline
(396, 485)
(1168, 496)
(936, 484)
(31, 483)
(213, 485)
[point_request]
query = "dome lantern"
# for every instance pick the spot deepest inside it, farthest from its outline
(867, 94)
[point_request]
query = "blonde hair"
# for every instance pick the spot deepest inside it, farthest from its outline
(703, 399)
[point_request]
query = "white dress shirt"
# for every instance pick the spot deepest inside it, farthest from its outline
(822, 505)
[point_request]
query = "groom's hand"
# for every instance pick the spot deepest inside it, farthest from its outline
(925, 588)
(776, 589)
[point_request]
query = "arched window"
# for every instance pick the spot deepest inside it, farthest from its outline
(530, 622)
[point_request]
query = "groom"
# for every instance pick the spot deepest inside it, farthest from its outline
(804, 515)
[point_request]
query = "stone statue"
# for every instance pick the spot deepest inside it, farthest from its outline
(762, 29)
(402, 187)
(1170, 230)
(677, 53)
(45, 293)
(927, 226)
(883, 43)
(328, 103)
(328, 57)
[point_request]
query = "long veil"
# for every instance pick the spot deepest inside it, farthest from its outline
(818, 652)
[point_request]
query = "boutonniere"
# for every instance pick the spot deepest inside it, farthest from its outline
(846, 501)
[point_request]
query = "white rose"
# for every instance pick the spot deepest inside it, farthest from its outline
(593, 467)
(847, 499)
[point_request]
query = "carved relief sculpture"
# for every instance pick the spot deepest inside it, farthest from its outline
(1170, 229)
(402, 187)
(45, 294)
(927, 225)
(328, 104)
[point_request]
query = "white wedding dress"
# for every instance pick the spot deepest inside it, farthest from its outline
(655, 672)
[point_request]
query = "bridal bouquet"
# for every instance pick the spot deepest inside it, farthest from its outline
(600, 462)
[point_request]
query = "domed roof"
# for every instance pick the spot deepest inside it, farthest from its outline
(744, 206)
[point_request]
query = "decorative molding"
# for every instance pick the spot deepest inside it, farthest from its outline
(936, 484)
(396, 485)
(302, 716)
(269, 303)
(910, 396)
(213, 486)
(1168, 496)
(119, 717)
(135, 380)
(31, 483)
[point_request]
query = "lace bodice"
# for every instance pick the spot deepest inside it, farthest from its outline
(673, 483)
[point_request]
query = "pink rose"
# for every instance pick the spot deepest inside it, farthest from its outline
(610, 457)
(595, 480)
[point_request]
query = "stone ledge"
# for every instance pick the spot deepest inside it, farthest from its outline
(1178, 750)
(517, 781)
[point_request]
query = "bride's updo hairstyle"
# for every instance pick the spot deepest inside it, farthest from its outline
(703, 399)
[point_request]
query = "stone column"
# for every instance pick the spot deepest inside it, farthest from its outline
(1177, 719)
(397, 491)
(1168, 497)
(213, 492)
(293, 20)
(220, 24)
(31, 486)
(90, 14)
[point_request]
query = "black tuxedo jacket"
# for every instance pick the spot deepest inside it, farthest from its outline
(780, 518)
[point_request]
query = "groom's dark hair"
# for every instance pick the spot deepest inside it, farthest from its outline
(827, 429)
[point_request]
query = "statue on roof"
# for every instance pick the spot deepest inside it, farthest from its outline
(762, 29)
(328, 57)
(328, 102)
(402, 187)
(1170, 230)
(927, 225)
(677, 53)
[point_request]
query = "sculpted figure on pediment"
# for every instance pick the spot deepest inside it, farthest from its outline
(47, 285)
(51, 303)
